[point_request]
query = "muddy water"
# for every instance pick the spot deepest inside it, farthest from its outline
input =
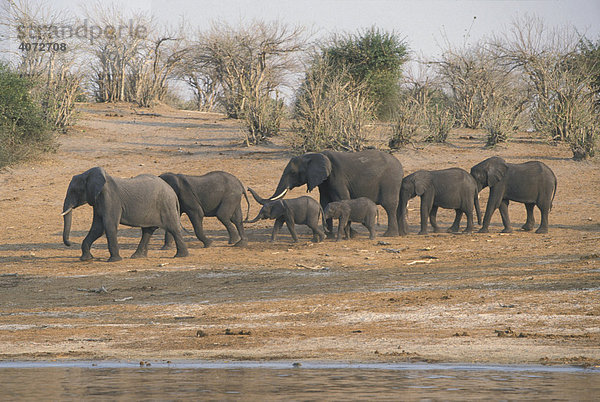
(283, 380)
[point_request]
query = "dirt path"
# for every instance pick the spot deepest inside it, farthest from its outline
(494, 298)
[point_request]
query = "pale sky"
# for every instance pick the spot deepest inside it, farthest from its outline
(424, 24)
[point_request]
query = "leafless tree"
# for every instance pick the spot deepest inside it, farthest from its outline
(56, 69)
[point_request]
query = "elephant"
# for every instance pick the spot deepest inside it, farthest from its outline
(213, 194)
(452, 188)
(302, 210)
(143, 201)
(532, 183)
(361, 210)
(345, 175)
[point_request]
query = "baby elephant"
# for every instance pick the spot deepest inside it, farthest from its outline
(303, 211)
(451, 188)
(361, 210)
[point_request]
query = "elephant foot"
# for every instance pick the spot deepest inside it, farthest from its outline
(423, 232)
(468, 230)
(139, 255)
(392, 233)
(181, 253)
(166, 247)
(208, 243)
(527, 228)
(330, 235)
(114, 258)
(241, 243)
(484, 230)
(542, 230)
(86, 257)
(507, 230)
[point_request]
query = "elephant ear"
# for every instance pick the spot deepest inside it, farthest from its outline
(96, 178)
(496, 171)
(318, 169)
(422, 183)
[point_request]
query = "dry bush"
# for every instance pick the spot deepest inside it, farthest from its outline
(560, 80)
(405, 123)
(439, 122)
(332, 111)
(248, 65)
(57, 75)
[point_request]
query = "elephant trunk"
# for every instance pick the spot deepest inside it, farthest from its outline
(67, 216)
(258, 217)
(257, 197)
(281, 190)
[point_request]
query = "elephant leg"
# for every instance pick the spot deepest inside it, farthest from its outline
(110, 226)
(95, 232)
(342, 222)
(197, 218)
(545, 211)
(142, 249)
(426, 209)
(292, 228)
(433, 219)
(505, 218)
(370, 225)
(456, 224)
(276, 227)
(393, 220)
(318, 234)
(231, 230)
(175, 231)
(169, 241)
(237, 219)
(494, 201)
(470, 222)
(530, 217)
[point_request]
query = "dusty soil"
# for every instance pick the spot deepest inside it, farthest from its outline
(493, 298)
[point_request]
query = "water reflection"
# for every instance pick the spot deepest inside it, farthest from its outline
(279, 381)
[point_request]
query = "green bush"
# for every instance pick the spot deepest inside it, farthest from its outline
(375, 59)
(23, 129)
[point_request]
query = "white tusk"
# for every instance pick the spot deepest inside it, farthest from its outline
(283, 193)
(66, 212)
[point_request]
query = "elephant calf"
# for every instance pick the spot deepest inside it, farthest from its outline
(213, 194)
(533, 183)
(361, 210)
(452, 188)
(302, 210)
(143, 201)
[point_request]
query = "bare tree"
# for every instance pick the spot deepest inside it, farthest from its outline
(47, 56)
(250, 64)
(560, 81)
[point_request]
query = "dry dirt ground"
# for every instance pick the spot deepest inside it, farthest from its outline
(489, 298)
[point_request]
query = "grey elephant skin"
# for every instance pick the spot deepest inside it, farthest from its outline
(452, 188)
(346, 175)
(215, 194)
(532, 183)
(361, 210)
(143, 201)
(296, 211)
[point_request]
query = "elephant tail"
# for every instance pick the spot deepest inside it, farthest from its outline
(322, 217)
(554, 193)
(247, 202)
(377, 217)
(477, 208)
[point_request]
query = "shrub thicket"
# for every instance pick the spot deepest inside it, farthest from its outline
(23, 129)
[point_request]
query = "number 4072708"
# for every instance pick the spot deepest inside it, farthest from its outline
(42, 47)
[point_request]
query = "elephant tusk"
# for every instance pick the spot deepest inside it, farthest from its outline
(66, 212)
(283, 193)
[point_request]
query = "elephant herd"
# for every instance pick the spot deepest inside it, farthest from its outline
(351, 185)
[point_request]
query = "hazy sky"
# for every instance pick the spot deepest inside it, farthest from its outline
(424, 25)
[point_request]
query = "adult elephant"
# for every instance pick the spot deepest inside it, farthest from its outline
(143, 201)
(346, 175)
(215, 193)
(532, 183)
